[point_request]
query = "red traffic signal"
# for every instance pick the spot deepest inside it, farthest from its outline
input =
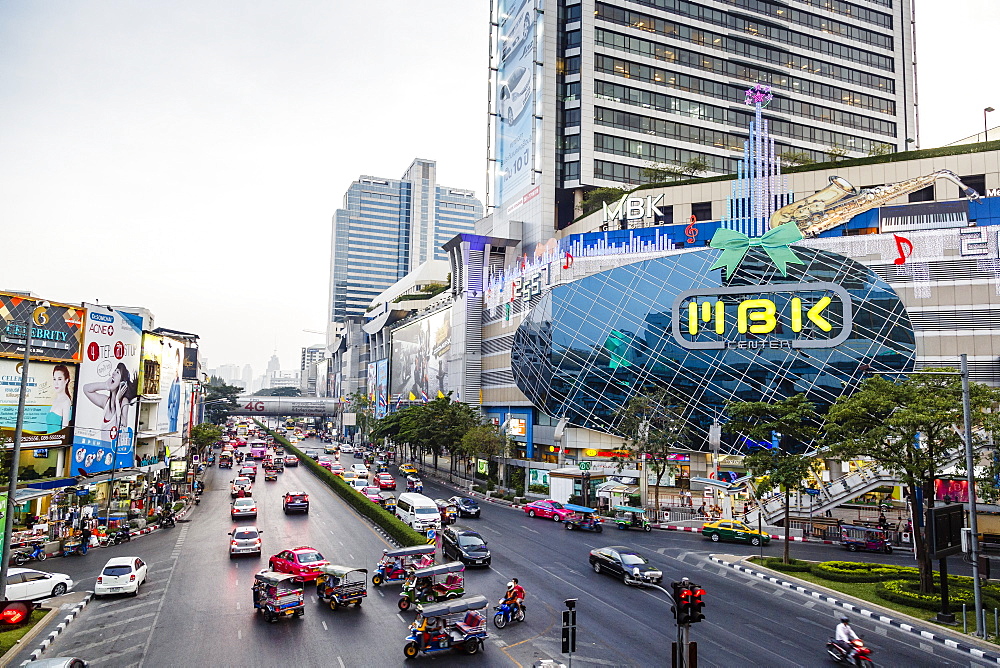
(697, 603)
(682, 601)
(15, 613)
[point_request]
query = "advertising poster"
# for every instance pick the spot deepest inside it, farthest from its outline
(372, 382)
(168, 417)
(108, 399)
(381, 388)
(190, 364)
(515, 97)
(149, 371)
(48, 409)
(420, 358)
(56, 334)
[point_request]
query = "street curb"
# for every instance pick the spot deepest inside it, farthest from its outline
(28, 637)
(864, 612)
(37, 652)
(671, 527)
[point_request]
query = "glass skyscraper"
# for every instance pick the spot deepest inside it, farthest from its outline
(389, 227)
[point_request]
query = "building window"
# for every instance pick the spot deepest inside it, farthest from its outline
(923, 195)
(666, 217)
(702, 211)
(569, 91)
(571, 171)
(571, 118)
(977, 182)
(572, 39)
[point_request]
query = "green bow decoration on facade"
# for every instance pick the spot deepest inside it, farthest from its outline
(734, 246)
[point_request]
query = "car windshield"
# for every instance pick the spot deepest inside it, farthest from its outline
(427, 511)
(243, 503)
(467, 540)
(632, 559)
(245, 535)
(310, 557)
(117, 570)
(556, 505)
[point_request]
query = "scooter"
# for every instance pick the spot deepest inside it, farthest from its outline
(861, 653)
(123, 535)
(22, 557)
(167, 521)
(507, 614)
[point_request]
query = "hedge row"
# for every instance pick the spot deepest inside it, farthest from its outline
(907, 592)
(795, 566)
(850, 571)
(400, 532)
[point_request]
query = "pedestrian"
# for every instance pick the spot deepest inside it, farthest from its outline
(85, 539)
(701, 509)
(882, 521)
(746, 509)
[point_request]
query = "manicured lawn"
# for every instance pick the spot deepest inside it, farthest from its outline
(9, 638)
(866, 592)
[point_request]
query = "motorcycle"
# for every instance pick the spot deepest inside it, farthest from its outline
(123, 535)
(21, 557)
(861, 652)
(507, 614)
(167, 521)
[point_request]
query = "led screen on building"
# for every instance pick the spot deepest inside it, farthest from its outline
(515, 98)
(420, 358)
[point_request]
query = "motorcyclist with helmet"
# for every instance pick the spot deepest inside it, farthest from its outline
(844, 638)
(514, 595)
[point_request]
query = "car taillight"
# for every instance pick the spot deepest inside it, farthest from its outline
(131, 578)
(257, 541)
(98, 579)
(234, 543)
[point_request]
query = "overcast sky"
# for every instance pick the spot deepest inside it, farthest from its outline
(187, 155)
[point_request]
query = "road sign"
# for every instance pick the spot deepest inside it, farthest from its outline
(812, 492)
(585, 466)
(431, 536)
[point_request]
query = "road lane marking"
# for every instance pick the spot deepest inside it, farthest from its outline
(163, 598)
(239, 634)
(531, 530)
(495, 531)
(237, 605)
(401, 617)
(340, 661)
(351, 556)
(324, 627)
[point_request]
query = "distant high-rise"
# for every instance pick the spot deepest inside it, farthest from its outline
(247, 376)
(273, 364)
(389, 227)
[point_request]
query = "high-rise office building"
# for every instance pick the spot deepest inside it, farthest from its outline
(594, 93)
(389, 227)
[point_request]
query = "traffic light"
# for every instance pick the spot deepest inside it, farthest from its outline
(15, 613)
(697, 603)
(682, 601)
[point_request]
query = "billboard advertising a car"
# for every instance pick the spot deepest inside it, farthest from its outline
(515, 96)
(56, 334)
(108, 400)
(420, 358)
(48, 406)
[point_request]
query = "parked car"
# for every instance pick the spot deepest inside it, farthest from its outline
(465, 545)
(244, 540)
(245, 507)
(302, 562)
(467, 507)
(26, 583)
(241, 483)
(295, 502)
(121, 575)
(734, 530)
(625, 563)
(291, 460)
(385, 481)
(548, 508)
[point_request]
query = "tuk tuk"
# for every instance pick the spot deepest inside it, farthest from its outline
(450, 625)
(434, 583)
(278, 595)
(870, 539)
(388, 501)
(395, 565)
(628, 517)
(414, 484)
(381, 467)
(225, 461)
(341, 585)
(583, 518)
(448, 510)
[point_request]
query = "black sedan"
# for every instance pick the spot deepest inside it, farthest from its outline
(465, 545)
(467, 507)
(625, 563)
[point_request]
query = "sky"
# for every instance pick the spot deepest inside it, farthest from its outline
(187, 156)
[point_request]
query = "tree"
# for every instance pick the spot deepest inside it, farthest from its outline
(653, 425)
(913, 428)
(656, 172)
(224, 397)
(205, 435)
(793, 158)
(594, 199)
(881, 149)
(783, 466)
(279, 392)
(836, 153)
(484, 441)
(364, 413)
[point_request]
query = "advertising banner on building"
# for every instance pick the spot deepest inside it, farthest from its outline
(171, 365)
(56, 334)
(149, 371)
(371, 382)
(108, 399)
(381, 388)
(48, 409)
(190, 364)
(516, 98)
(420, 358)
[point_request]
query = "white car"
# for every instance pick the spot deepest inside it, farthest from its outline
(346, 448)
(515, 93)
(121, 575)
(358, 484)
(360, 470)
(241, 482)
(244, 540)
(25, 583)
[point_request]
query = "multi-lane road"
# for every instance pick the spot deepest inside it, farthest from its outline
(197, 610)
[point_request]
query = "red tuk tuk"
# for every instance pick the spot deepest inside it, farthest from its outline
(870, 539)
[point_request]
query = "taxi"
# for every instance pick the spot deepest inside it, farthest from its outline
(407, 469)
(734, 530)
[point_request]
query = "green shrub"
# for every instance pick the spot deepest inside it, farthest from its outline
(400, 532)
(479, 488)
(794, 566)
(850, 571)
(907, 592)
(539, 489)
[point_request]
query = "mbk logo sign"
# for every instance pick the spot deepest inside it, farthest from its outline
(633, 208)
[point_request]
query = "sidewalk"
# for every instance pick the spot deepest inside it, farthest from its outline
(975, 647)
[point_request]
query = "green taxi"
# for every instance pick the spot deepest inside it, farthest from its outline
(734, 530)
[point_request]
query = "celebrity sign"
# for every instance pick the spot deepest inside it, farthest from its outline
(48, 411)
(56, 335)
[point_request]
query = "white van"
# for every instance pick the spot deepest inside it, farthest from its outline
(419, 511)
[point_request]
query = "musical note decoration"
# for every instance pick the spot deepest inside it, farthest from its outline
(904, 247)
(691, 231)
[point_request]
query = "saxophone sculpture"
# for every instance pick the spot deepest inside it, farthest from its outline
(827, 208)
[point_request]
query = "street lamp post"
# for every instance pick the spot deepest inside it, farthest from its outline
(8, 525)
(985, 124)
